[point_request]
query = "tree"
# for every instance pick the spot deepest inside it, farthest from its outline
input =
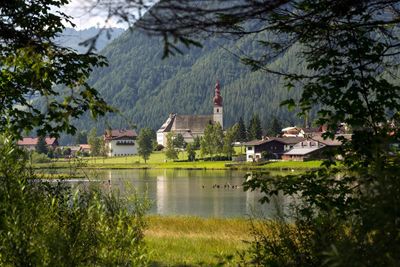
(170, 151)
(228, 141)
(276, 127)
(191, 152)
(34, 67)
(41, 146)
(145, 143)
(67, 152)
(81, 138)
(95, 143)
(218, 138)
(212, 141)
(254, 129)
(242, 133)
(196, 142)
(179, 141)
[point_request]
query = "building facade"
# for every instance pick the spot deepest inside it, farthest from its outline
(192, 126)
(274, 146)
(120, 142)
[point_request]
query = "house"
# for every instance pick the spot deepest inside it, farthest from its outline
(302, 132)
(29, 143)
(315, 147)
(274, 146)
(292, 132)
(120, 142)
(305, 150)
(192, 126)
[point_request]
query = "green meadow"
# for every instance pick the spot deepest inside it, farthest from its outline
(158, 160)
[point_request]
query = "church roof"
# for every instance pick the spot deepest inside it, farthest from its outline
(186, 123)
(194, 123)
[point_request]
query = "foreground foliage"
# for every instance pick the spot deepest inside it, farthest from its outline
(52, 224)
(35, 68)
(345, 216)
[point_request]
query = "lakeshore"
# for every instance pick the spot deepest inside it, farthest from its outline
(158, 160)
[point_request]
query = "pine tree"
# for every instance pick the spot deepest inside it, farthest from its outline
(41, 146)
(81, 137)
(241, 134)
(255, 130)
(276, 127)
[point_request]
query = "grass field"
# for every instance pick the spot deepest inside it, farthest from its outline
(158, 160)
(193, 241)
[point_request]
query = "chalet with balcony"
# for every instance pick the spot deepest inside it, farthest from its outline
(274, 146)
(120, 142)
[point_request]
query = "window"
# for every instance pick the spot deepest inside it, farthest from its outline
(217, 110)
(249, 148)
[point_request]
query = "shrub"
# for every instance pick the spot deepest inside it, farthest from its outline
(47, 224)
(39, 158)
(159, 147)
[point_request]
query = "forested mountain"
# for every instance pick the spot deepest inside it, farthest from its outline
(72, 38)
(145, 88)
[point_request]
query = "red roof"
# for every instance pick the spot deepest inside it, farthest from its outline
(32, 141)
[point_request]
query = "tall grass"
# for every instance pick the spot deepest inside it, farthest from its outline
(51, 224)
(194, 241)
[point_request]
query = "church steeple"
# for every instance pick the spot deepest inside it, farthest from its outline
(217, 100)
(217, 96)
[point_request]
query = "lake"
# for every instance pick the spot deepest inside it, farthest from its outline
(204, 193)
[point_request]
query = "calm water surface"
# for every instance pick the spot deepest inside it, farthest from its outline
(193, 192)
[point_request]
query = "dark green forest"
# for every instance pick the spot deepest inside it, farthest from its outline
(145, 88)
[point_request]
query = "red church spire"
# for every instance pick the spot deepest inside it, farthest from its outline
(217, 97)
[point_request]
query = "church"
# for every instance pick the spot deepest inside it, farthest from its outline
(192, 126)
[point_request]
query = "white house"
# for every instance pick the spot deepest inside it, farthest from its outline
(120, 142)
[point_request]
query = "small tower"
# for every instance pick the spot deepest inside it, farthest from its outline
(218, 110)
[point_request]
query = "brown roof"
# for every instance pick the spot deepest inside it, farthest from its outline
(330, 142)
(256, 142)
(32, 141)
(194, 123)
(287, 140)
(84, 146)
(312, 130)
(118, 133)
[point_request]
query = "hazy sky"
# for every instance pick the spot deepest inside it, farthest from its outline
(85, 16)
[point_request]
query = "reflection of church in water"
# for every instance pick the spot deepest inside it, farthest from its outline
(191, 126)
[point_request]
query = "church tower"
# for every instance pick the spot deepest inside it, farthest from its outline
(218, 110)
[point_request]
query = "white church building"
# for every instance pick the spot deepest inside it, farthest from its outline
(192, 126)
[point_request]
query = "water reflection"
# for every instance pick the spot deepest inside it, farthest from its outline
(192, 192)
